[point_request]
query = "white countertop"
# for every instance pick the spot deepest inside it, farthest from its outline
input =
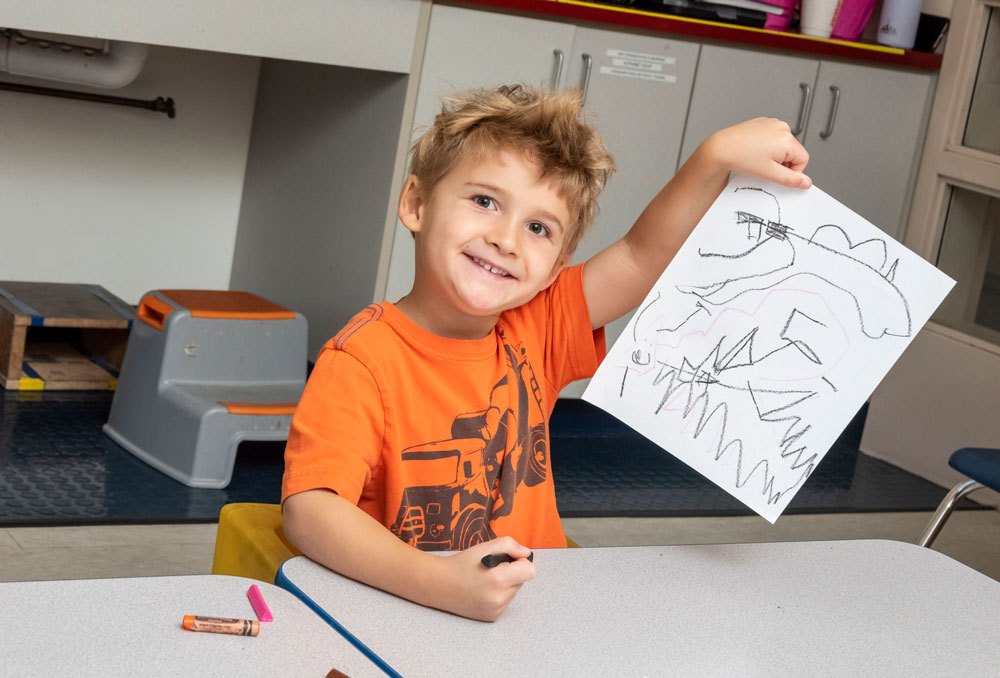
(132, 627)
(838, 608)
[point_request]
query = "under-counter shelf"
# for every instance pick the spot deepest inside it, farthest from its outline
(580, 10)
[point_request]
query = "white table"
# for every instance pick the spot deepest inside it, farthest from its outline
(838, 608)
(132, 627)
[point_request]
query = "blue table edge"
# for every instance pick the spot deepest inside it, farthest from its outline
(281, 580)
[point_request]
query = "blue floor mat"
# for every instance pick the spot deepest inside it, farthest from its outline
(58, 468)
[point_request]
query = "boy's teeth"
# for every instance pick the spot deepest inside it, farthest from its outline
(491, 269)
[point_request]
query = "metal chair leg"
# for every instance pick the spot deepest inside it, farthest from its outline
(944, 510)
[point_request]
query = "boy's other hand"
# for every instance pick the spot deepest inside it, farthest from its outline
(764, 148)
(480, 592)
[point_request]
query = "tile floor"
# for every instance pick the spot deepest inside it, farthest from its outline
(971, 537)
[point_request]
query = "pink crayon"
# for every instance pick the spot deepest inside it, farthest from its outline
(259, 606)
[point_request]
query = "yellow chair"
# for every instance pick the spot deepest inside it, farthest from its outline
(250, 542)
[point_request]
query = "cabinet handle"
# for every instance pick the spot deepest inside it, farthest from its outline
(588, 65)
(804, 108)
(833, 113)
(559, 63)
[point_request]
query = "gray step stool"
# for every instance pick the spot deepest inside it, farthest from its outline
(203, 371)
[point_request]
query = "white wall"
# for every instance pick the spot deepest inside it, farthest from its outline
(124, 197)
(914, 422)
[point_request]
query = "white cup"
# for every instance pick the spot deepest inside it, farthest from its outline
(816, 17)
(897, 26)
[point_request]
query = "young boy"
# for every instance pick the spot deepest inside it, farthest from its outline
(425, 422)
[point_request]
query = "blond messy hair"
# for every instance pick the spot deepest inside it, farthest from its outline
(541, 126)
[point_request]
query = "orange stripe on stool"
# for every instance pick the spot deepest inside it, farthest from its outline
(228, 304)
(260, 408)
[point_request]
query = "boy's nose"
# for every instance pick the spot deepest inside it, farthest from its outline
(503, 235)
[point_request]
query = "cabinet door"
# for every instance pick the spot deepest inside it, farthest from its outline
(734, 85)
(637, 95)
(867, 155)
(468, 48)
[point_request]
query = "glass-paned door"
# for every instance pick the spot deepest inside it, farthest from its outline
(982, 129)
(970, 253)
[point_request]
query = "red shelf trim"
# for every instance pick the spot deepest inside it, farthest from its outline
(718, 31)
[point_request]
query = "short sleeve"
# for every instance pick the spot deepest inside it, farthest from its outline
(573, 350)
(335, 439)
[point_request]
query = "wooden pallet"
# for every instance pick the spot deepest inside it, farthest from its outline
(61, 336)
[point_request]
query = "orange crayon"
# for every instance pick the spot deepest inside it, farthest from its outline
(234, 627)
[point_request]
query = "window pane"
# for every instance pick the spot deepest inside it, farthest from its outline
(982, 129)
(970, 253)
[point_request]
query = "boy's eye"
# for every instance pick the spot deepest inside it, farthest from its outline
(538, 229)
(484, 201)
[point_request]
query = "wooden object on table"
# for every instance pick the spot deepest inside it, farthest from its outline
(61, 336)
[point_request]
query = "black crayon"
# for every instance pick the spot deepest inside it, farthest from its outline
(494, 559)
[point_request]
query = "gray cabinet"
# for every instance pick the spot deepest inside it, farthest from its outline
(863, 126)
(637, 93)
(734, 85)
(867, 155)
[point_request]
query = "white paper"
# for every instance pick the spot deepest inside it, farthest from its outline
(773, 324)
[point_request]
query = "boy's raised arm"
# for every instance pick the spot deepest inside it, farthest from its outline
(617, 279)
(336, 533)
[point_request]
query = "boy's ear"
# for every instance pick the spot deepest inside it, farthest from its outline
(411, 203)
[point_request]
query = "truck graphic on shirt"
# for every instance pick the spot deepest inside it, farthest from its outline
(472, 476)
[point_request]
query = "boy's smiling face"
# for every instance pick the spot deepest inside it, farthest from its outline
(489, 237)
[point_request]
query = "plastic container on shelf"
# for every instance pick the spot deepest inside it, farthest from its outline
(852, 17)
(817, 17)
(781, 22)
(897, 25)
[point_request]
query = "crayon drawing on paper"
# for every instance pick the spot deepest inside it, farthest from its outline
(769, 329)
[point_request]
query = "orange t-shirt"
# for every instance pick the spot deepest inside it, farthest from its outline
(445, 441)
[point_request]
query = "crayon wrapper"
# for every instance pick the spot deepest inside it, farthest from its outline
(235, 627)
